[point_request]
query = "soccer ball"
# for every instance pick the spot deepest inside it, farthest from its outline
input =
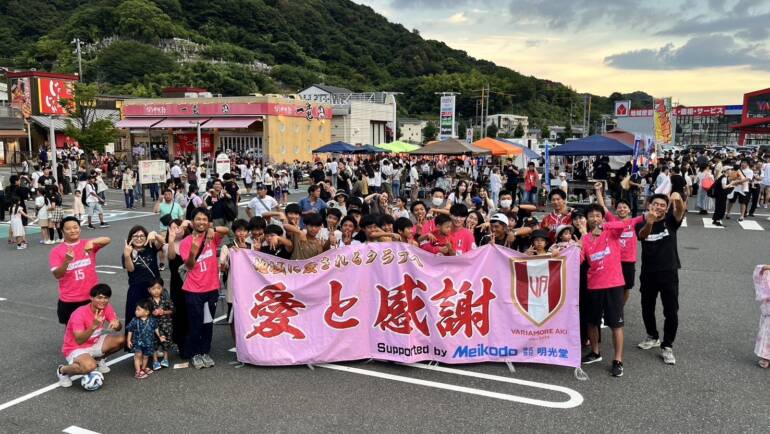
(92, 381)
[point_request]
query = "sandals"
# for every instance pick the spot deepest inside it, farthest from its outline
(148, 371)
(140, 375)
(764, 363)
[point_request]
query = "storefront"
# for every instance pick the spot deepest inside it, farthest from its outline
(698, 125)
(754, 125)
(270, 128)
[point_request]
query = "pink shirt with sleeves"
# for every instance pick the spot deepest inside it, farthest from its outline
(628, 240)
(603, 256)
(204, 276)
(81, 320)
(80, 276)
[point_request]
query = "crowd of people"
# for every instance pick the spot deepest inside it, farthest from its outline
(444, 206)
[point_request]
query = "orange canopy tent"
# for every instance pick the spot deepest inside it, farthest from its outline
(497, 147)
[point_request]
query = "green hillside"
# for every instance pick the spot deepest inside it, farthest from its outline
(237, 47)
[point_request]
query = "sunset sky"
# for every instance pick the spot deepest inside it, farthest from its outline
(700, 52)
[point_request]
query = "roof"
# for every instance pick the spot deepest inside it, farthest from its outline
(42, 74)
(332, 89)
(593, 145)
(622, 136)
(60, 123)
(450, 147)
(498, 147)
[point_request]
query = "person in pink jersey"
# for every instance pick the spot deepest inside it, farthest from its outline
(628, 239)
(201, 286)
(601, 250)
(462, 238)
(73, 264)
(86, 341)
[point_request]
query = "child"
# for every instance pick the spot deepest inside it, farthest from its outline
(142, 331)
(162, 310)
(55, 216)
(539, 243)
(17, 226)
(564, 239)
(41, 206)
(404, 227)
(762, 287)
(439, 241)
(77, 205)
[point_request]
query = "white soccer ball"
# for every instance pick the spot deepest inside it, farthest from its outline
(92, 381)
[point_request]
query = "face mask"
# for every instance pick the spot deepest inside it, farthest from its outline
(437, 201)
(505, 203)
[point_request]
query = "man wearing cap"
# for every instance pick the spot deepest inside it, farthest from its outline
(499, 233)
(262, 205)
(601, 250)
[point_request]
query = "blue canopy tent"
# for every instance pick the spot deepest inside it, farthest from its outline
(369, 149)
(336, 148)
(530, 154)
(592, 146)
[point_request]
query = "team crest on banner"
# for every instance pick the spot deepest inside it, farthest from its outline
(539, 287)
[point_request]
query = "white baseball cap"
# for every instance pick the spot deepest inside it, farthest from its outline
(499, 217)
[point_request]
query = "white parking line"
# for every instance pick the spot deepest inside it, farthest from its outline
(78, 430)
(105, 272)
(708, 225)
(575, 398)
(684, 222)
(54, 386)
(3, 299)
(750, 225)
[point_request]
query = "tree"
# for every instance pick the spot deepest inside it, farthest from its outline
(91, 133)
(429, 132)
(568, 131)
(126, 61)
(545, 133)
(518, 132)
(144, 21)
(492, 130)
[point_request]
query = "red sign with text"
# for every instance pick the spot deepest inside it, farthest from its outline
(186, 144)
(53, 90)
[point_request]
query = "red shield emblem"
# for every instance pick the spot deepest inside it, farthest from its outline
(539, 287)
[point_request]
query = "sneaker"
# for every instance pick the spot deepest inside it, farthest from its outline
(648, 343)
(667, 354)
(102, 366)
(717, 223)
(156, 366)
(164, 363)
(207, 361)
(20, 247)
(64, 380)
(91, 227)
(197, 362)
(43, 242)
(104, 225)
(161, 266)
(617, 368)
(740, 219)
(591, 358)
(49, 242)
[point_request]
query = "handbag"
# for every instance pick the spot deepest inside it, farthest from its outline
(166, 219)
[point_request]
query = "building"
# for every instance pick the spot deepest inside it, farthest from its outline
(411, 130)
(271, 127)
(12, 133)
(754, 125)
(359, 118)
(698, 125)
(507, 123)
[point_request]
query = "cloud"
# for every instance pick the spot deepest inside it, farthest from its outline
(698, 52)
(431, 4)
(458, 18)
(557, 14)
(747, 19)
(532, 43)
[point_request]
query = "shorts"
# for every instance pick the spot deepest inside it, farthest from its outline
(144, 349)
(94, 209)
(64, 309)
(629, 272)
(659, 281)
(94, 350)
(43, 223)
(607, 302)
(248, 184)
(742, 199)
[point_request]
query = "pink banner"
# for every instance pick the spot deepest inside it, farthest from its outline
(391, 301)
(295, 109)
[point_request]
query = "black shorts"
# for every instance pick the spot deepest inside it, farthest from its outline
(65, 308)
(741, 198)
(629, 272)
(659, 281)
(607, 302)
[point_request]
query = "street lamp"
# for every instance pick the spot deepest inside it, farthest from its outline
(52, 140)
(199, 145)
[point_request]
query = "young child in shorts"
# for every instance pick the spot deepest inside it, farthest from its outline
(162, 311)
(142, 331)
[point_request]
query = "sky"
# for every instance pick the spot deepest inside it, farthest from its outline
(700, 52)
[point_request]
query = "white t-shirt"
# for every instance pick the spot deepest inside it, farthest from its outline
(90, 198)
(743, 188)
(42, 208)
(663, 184)
(333, 167)
(323, 234)
(413, 175)
(766, 174)
(176, 171)
(260, 209)
(495, 182)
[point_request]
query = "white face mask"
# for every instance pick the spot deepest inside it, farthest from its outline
(437, 201)
(505, 203)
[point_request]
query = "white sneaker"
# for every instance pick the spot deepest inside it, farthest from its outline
(64, 380)
(648, 343)
(102, 366)
(667, 354)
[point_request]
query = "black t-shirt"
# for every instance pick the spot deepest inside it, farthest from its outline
(317, 175)
(145, 266)
(280, 252)
(46, 182)
(217, 208)
(232, 189)
(678, 184)
(659, 250)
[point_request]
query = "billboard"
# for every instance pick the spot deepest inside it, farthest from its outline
(21, 96)
(758, 106)
(446, 123)
(662, 121)
(622, 108)
(51, 91)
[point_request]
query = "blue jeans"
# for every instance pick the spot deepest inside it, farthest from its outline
(129, 196)
(396, 188)
(154, 192)
(530, 196)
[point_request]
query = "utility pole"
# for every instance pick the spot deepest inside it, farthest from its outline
(76, 41)
(486, 107)
(483, 118)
